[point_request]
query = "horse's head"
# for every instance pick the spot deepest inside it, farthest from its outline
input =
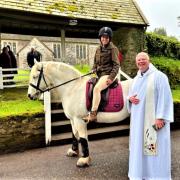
(47, 75)
(38, 82)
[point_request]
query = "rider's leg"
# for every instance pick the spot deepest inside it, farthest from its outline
(101, 85)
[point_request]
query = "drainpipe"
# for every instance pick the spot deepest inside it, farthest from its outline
(144, 35)
(63, 48)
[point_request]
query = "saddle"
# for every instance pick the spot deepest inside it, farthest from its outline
(111, 97)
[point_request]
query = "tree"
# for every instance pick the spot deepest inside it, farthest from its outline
(160, 31)
(174, 38)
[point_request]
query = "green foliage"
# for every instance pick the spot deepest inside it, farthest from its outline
(158, 45)
(176, 94)
(170, 67)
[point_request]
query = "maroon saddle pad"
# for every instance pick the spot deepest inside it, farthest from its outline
(111, 98)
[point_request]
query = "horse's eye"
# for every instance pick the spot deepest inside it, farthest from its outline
(34, 77)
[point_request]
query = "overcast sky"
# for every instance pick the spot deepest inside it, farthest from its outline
(162, 13)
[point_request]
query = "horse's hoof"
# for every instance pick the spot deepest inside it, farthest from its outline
(84, 162)
(71, 153)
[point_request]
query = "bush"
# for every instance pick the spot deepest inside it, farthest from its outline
(170, 67)
(158, 45)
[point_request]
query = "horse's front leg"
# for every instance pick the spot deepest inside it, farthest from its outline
(81, 128)
(85, 160)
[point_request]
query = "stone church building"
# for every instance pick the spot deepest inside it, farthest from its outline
(78, 51)
(67, 30)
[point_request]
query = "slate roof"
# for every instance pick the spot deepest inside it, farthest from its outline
(118, 11)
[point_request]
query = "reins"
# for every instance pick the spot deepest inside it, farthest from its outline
(48, 89)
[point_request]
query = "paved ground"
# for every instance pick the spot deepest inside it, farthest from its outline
(110, 161)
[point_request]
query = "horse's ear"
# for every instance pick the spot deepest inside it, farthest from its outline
(38, 65)
(35, 61)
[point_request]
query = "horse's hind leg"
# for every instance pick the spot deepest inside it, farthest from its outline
(74, 151)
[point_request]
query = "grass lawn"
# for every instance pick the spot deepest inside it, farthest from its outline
(22, 77)
(83, 68)
(14, 101)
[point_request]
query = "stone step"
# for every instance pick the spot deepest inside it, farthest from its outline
(57, 111)
(62, 131)
(63, 126)
(93, 134)
(56, 105)
(58, 117)
(60, 123)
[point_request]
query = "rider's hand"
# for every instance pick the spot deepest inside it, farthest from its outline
(108, 82)
(93, 70)
(133, 99)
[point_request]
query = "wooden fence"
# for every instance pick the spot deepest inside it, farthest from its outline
(12, 79)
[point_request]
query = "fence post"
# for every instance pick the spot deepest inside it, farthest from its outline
(1, 78)
(47, 109)
(119, 74)
(124, 74)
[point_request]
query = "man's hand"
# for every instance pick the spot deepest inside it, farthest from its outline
(159, 123)
(108, 82)
(134, 99)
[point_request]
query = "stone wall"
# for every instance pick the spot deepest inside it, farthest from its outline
(21, 133)
(130, 41)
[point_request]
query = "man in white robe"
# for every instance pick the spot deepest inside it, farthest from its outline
(150, 103)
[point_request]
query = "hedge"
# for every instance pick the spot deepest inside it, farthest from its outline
(158, 45)
(170, 67)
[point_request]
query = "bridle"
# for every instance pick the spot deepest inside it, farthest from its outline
(41, 76)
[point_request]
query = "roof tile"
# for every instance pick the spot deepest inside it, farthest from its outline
(122, 11)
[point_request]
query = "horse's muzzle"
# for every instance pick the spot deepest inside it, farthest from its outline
(30, 97)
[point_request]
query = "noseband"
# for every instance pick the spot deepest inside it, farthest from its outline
(41, 76)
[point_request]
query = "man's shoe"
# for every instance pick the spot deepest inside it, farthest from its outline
(91, 117)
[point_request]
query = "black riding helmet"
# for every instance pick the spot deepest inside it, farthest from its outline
(107, 31)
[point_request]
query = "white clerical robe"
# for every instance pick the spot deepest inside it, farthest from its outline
(148, 167)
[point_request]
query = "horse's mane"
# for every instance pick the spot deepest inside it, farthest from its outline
(69, 69)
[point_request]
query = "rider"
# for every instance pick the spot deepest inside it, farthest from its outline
(106, 66)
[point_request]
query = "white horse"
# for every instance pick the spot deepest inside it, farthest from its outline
(72, 96)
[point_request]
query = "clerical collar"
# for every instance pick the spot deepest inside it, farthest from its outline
(142, 73)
